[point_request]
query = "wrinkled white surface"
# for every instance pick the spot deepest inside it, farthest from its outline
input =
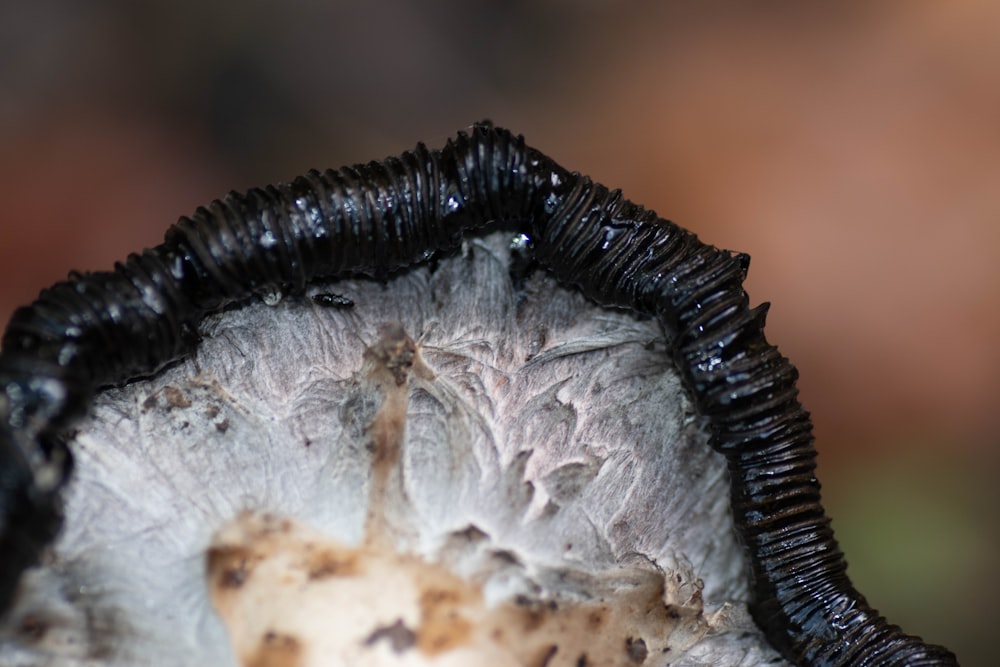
(554, 427)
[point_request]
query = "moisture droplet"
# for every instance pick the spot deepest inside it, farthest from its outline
(271, 296)
(267, 240)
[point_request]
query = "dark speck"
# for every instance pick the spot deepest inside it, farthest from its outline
(329, 300)
(398, 635)
(636, 650)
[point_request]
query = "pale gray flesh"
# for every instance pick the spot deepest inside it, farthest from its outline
(548, 461)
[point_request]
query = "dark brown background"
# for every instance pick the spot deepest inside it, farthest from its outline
(853, 150)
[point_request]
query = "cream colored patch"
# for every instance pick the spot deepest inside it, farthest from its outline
(370, 606)
(291, 597)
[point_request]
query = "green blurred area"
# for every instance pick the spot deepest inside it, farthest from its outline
(922, 537)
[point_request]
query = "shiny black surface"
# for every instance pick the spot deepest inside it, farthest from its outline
(105, 328)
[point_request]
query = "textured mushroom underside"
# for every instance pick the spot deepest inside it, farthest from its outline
(457, 470)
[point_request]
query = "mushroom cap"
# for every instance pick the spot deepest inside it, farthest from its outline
(471, 465)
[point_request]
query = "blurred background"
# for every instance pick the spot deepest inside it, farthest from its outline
(852, 148)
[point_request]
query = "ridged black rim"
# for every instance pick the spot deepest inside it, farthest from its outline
(106, 328)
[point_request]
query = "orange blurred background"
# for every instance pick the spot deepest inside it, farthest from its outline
(852, 148)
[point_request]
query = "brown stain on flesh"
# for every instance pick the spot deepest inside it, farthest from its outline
(544, 659)
(622, 629)
(444, 612)
(291, 580)
(230, 567)
(388, 364)
(394, 351)
(276, 650)
(263, 571)
(33, 628)
(173, 398)
(327, 562)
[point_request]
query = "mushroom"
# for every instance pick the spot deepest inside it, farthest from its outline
(472, 464)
